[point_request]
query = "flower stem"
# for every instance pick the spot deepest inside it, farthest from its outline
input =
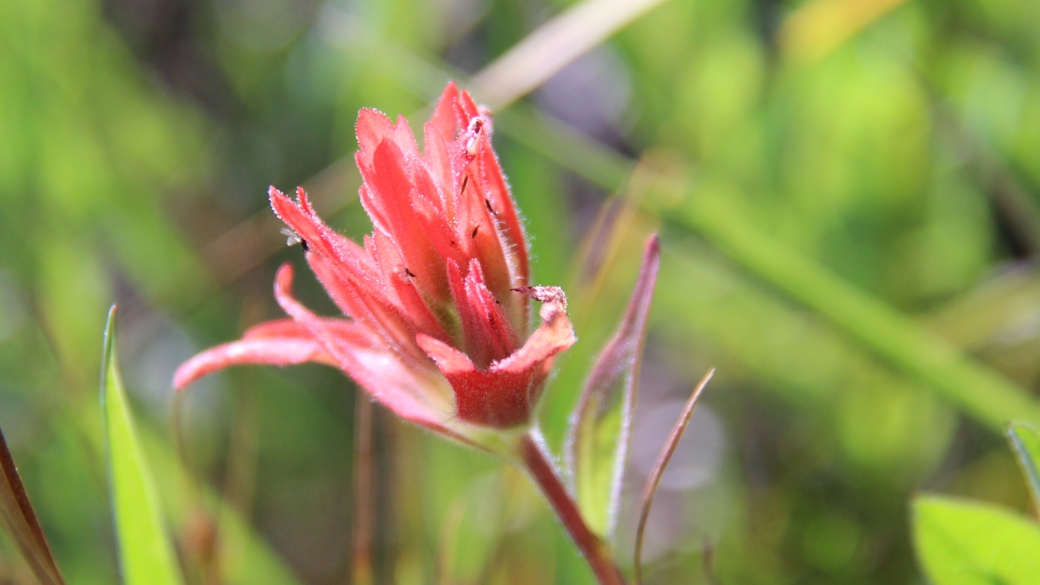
(592, 547)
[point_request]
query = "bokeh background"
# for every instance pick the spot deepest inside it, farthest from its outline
(848, 193)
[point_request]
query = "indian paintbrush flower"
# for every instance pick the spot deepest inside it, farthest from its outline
(436, 304)
(436, 300)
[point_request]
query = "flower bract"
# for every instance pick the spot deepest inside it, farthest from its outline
(436, 301)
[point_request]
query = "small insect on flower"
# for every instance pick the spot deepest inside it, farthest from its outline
(293, 238)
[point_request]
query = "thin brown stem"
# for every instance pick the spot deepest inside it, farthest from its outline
(650, 489)
(592, 547)
(364, 503)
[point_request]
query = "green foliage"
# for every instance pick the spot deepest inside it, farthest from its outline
(843, 236)
(146, 554)
(984, 394)
(1026, 443)
(969, 543)
(596, 465)
(600, 435)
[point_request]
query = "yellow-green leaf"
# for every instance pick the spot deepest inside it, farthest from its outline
(960, 542)
(146, 554)
(597, 441)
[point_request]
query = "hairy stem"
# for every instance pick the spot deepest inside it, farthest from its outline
(543, 472)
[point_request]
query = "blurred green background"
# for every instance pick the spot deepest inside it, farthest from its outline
(848, 193)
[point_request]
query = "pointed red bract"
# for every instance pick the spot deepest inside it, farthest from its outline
(504, 394)
(436, 299)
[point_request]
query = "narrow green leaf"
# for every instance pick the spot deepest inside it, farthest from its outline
(598, 438)
(1026, 443)
(976, 389)
(960, 542)
(146, 554)
(20, 520)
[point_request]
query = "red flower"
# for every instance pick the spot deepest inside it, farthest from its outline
(437, 298)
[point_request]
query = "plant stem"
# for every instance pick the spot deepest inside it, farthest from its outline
(364, 502)
(543, 472)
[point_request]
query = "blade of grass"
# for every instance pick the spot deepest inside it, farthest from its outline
(245, 559)
(604, 242)
(146, 554)
(599, 164)
(960, 541)
(650, 489)
(20, 520)
(1026, 443)
(976, 389)
(555, 44)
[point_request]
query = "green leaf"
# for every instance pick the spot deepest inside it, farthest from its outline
(598, 438)
(1026, 443)
(244, 557)
(145, 552)
(976, 389)
(960, 542)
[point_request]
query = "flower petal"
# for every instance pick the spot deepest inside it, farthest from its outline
(503, 395)
(438, 154)
(479, 233)
(497, 192)
(372, 127)
(391, 191)
(554, 335)
(277, 328)
(377, 370)
(493, 329)
(500, 399)
(270, 349)
(495, 399)
(467, 109)
(444, 119)
(371, 308)
(399, 286)
(321, 239)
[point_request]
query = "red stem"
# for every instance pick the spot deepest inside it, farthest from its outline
(592, 547)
